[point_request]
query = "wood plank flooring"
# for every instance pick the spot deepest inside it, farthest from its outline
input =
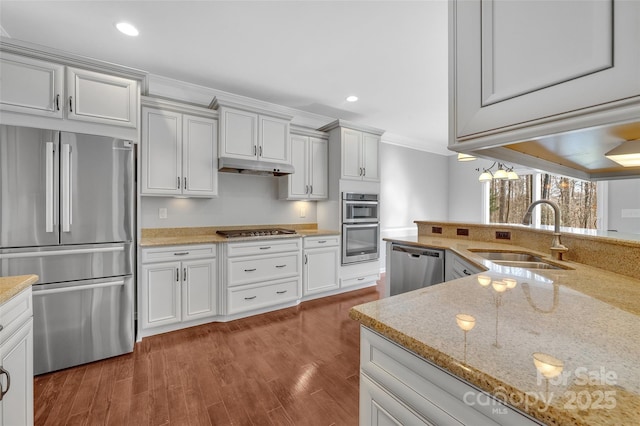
(296, 366)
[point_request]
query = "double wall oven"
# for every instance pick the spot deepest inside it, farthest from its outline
(360, 227)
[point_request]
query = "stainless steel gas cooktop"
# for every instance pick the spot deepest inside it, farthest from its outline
(260, 232)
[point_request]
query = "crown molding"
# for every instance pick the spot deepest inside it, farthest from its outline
(36, 51)
(417, 144)
(170, 88)
(182, 107)
(351, 125)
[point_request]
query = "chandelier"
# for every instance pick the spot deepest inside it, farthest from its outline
(501, 173)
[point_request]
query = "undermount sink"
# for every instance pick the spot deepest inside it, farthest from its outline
(516, 259)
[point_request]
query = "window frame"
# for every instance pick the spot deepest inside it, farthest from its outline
(602, 200)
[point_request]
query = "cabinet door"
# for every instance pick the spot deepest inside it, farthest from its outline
(321, 270)
(199, 289)
(370, 162)
(161, 152)
(16, 407)
(101, 98)
(161, 291)
(351, 154)
(379, 408)
(199, 156)
(31, 86)
(298, 181)
(238, 134)
(274, 140)
(522, 61)
(319, 168)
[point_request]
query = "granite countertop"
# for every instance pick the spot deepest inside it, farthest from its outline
(585, 317)
(207, 235)
(10, 286)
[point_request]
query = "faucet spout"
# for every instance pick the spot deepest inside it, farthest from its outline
(557, 249)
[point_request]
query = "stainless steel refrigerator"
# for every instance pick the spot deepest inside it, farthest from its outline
(66, 206)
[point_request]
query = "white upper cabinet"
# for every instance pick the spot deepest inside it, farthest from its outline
(101, 98)
(238, 134)
(310, 159)
(251, 134)
(31, 86)
(179, 152)
(37, 87)
(518, 64)
(360, 155)
(351, 154)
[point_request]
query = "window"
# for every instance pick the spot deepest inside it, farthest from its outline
(578, 200)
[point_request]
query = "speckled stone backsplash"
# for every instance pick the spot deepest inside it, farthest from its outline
(611, 254)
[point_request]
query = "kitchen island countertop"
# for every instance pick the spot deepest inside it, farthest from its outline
(10, 286)
(586, 317)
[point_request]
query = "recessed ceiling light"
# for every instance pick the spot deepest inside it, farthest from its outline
(126, 28)
(352, 98)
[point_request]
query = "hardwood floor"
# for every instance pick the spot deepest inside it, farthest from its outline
(296, 366)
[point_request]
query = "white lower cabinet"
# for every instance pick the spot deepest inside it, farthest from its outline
(16, 360)
(177, 291)
(397, 387)
(456, 266)
(321, 262)
(261, 274)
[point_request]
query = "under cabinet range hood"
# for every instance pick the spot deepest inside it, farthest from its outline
(253, 167)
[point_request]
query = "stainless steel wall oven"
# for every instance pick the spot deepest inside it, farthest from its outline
(360, 228)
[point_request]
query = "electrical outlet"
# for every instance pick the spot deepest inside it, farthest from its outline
(462, 231)
(303, 212)
(436, 230)
(503, 235)
(162, 213)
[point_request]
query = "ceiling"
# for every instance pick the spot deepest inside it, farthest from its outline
(308, 55)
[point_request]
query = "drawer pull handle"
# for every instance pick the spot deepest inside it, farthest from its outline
(250, 270)
(182, 253)
(265, 248)
(4, 392)
(281, 292)
(322, 241)
(280, 266)
(1, 328)
(466, 272)
(360, 279)
(250, 298)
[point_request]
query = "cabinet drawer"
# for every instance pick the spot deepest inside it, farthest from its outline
(246, 298)
(427, 389)
(163, 254)
(316, 242)
(15, 312)
(263, 247)
(357, 280)
(245, 270)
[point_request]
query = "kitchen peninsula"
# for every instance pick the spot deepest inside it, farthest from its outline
(579, 325)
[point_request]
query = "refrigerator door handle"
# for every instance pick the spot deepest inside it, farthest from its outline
(66, 188)
(67, 289)
(49, 187)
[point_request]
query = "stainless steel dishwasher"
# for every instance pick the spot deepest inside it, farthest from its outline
(414, 267)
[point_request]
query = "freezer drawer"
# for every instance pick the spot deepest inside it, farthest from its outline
(68, 263)
(80, 322)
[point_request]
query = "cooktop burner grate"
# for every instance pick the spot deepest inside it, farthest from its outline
(260, 232)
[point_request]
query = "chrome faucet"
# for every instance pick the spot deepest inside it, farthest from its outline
(557, 249)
